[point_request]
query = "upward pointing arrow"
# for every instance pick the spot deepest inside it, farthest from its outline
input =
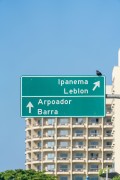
(97, 84)
(29, 106)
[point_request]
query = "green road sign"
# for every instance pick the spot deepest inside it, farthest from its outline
(63, 96)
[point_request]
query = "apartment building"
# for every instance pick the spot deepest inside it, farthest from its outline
(73, 148)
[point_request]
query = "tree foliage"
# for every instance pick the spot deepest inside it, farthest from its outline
(20, 174)
(116, 178)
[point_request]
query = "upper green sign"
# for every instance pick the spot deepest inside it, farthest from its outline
(56, 96)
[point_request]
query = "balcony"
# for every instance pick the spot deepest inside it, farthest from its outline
(48, 136)
(37, 125)
(94, 147)
(60, 136)
(108, 136)
(78, 124)
(80, 147)
(28, 126)
(94, 159)
(36, 149)
(50, 171)
(108, 160)
(61, 148)
(46, 125)
(47, 160)
(36, 160)
(63, 159)
(28, 138)
(36, 137)
(78, 136)
(93, 171)
(63, 171)
(28, 148)
(108, 125)
(94, 136)
(96, 125)
(63, 125)
(78, 171)
(108, 148)
(79, 159)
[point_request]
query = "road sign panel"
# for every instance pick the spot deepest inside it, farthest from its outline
(62, 96)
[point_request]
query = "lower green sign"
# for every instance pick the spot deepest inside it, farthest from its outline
(63, 106)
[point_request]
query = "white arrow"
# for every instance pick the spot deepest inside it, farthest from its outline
(30, 106)
(97, 84)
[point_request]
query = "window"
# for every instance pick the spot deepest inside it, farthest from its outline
(94, 143)
(109, 143)
(94, 155)
(63, 155)
(94, 120)
(79, 120)
(108, 132)
(93, 132)
(80, 143)
(79, 166)
(64, 144)
(50, 144)
(50, 132)
(38, 156)
(39, 144)
(39, 121)
(78, 155)
(64, 167)
(50, 156)
(50, 167)
(63, 121)
(94, 167)
(63, 132)
(39, 168)
(63, 178)
(78, 178)
(50, 121)
(39, 133)
(78, 132)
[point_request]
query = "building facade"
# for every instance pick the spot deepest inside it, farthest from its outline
(71, 148)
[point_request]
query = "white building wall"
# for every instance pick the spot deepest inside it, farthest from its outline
(116, 116)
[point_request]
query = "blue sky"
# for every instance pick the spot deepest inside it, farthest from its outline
(50, 37)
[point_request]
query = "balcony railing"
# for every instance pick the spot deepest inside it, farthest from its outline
(94, 158)
(108, 123)
(62, 135)
(36, 136)
(108, 135)
(48, 135)
(94, 134)
(63, 158)
(108, 146)
(63, 147)
(49, 147)
(78, 169)
(37, 124)
(78, 158)
(94, 169)
(28, 148)
(63, 124)
(63, 170)
(78, 146)
(50, 170)
(78, 134)
(93, 146)
(46, 124)
(78, 123)
(36, 147)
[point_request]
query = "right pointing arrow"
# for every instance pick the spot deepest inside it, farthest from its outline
(97, 84)
(30, 106)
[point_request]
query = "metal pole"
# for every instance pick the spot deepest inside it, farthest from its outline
(106, 172)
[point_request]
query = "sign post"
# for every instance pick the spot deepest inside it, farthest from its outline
(63, 96)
